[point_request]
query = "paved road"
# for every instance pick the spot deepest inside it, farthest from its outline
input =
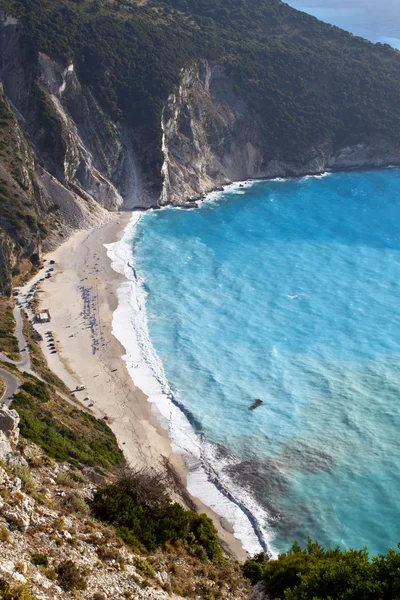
(12, 385)
(25, 363)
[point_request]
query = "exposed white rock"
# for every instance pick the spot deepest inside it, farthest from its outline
(9, 420)
(258, 593)
(210, 138)
(18, 519)
(5, 449)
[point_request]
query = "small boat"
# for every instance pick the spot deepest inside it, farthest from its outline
(255, 404)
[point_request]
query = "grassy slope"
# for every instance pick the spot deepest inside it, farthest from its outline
(8, 342)
(62, 431)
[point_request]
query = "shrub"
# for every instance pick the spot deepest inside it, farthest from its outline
(144, 568)
(63, 433)
(18, 592)
(313, 572)
(50, 574)
(65, 479)
(4, 534)
(109, 553)
(40, 560)
(253, 568)
(77, 504)
(23, 472)
(139, 506)
(38, 389)
(203, 529)
(78, 477)
(70, 577)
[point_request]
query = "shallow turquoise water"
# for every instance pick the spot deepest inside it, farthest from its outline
(375, 21)
(288, 291)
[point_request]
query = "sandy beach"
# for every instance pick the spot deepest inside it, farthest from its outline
(81, 296)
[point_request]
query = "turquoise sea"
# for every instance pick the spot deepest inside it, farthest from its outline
(287, 291)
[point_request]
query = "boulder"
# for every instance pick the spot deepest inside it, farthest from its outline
(94, 477)
(9, 420)
(18, 518)
(7, 569)
(258, 593)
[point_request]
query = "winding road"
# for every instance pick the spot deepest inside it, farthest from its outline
(24, 365)
(12, 385)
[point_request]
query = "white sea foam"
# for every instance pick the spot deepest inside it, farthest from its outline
(206, 479)
(316, 176)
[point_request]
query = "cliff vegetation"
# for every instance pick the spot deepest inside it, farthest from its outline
(61, 537)
(242, 89)
(305, 80)
(314, 573)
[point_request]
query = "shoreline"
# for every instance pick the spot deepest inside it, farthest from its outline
(205, 480)
(84, 289)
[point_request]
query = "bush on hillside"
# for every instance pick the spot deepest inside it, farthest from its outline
(145, 517)
(40, 560)
(70, 577)
(314, 573)
(64, 433)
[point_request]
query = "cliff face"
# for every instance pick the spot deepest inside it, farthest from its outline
(64, 162)
(211, 138)
(75, 142)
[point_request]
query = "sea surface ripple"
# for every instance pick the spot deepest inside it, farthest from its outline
(286, 291)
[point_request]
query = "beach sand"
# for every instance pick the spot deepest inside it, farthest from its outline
(83, 287)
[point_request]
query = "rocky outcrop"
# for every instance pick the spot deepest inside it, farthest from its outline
(9, 432)
(80, 153)
(258, 593)
(73, 162)
(44, 524)
(9, 420)
(5, 448)
(211, 138)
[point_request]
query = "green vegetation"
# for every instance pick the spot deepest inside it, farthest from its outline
(23, 472)
(307, 85)
(304, 79)
(145, 517)
(65, 433)
(8, 341)
(14, 592)
(40, 560)
(23, 220)
(70, 577)
(314, 573)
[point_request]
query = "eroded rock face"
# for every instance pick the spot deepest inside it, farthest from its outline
(258, 593)
(92, 161)
(5, 449)
(212, 138)
(9, 420)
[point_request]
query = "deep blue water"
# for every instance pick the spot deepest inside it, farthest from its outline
(288, 291)
(375, 21)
